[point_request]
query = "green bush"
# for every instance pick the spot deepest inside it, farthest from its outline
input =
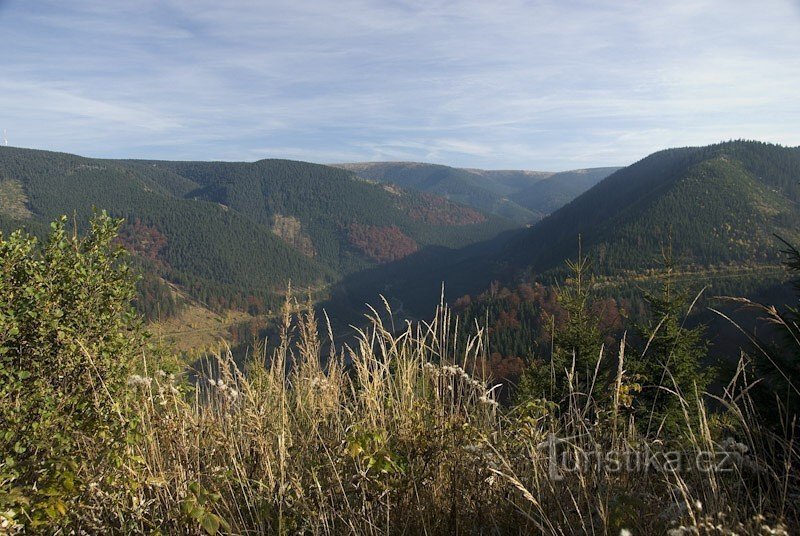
(68, 337)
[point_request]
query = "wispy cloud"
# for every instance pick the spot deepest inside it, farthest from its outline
(540, 84)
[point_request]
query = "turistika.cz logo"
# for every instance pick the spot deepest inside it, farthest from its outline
(565, 455)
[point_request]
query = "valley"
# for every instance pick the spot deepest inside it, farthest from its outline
(229, 237)
(521, 196)
(410, 303)
(399, 268)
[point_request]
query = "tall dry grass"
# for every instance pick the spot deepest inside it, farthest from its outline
(393, 436)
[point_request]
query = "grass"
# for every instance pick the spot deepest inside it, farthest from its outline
(394, 433)
(196, 329)
(404, 440)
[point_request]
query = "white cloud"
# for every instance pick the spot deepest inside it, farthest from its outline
(537, 84)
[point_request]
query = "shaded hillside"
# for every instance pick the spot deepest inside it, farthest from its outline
(471, 187)
(718, 204)
(234, 234)
(555, 191)
(413, 284)
(519, 195)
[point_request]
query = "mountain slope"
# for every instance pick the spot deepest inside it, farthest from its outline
(201, 245)
(720, 205)
(510, 181)
(333, 210)
(518, 195)
(234, 234)
(555, 191)
(717, 204)
(469, 187)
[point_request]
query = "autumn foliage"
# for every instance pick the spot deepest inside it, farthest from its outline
(436, 210)
(383, 244)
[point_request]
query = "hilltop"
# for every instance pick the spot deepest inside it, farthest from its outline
(720, 204)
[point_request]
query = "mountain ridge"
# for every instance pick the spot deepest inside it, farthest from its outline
(692, 195)
(231, 233)
(625, 223)
(494, 191)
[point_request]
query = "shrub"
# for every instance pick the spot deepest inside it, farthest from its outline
(67, 340)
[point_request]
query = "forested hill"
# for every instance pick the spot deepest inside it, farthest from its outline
(461, 185)
(721, 206)
(717, 204)
(512, 194)
(233, 234)
(331, 215)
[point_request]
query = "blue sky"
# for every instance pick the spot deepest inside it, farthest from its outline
(546, 85)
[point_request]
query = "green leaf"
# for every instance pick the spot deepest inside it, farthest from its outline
(210, 524)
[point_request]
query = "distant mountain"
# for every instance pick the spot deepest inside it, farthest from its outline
(555, 191)
(718, 204)
(234, 234)
(511, 194)
(510, 181)
(470, 187)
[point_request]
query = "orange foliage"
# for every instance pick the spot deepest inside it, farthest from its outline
(383, 244)
(142, 239)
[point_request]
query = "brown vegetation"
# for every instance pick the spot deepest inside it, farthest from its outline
(289, 229)
(436, 210)
(142, 239)
(383, 244)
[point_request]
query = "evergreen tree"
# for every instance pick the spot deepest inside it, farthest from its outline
(576, 343)
(670, 366)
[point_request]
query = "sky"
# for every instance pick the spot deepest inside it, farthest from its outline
(543, 85)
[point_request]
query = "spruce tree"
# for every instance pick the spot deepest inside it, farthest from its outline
(576, 344)
(670, 365)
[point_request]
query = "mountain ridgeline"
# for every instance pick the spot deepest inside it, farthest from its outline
(717, 205)
(548, 195)
(717, 209)
(518, 195)
(232, 235)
